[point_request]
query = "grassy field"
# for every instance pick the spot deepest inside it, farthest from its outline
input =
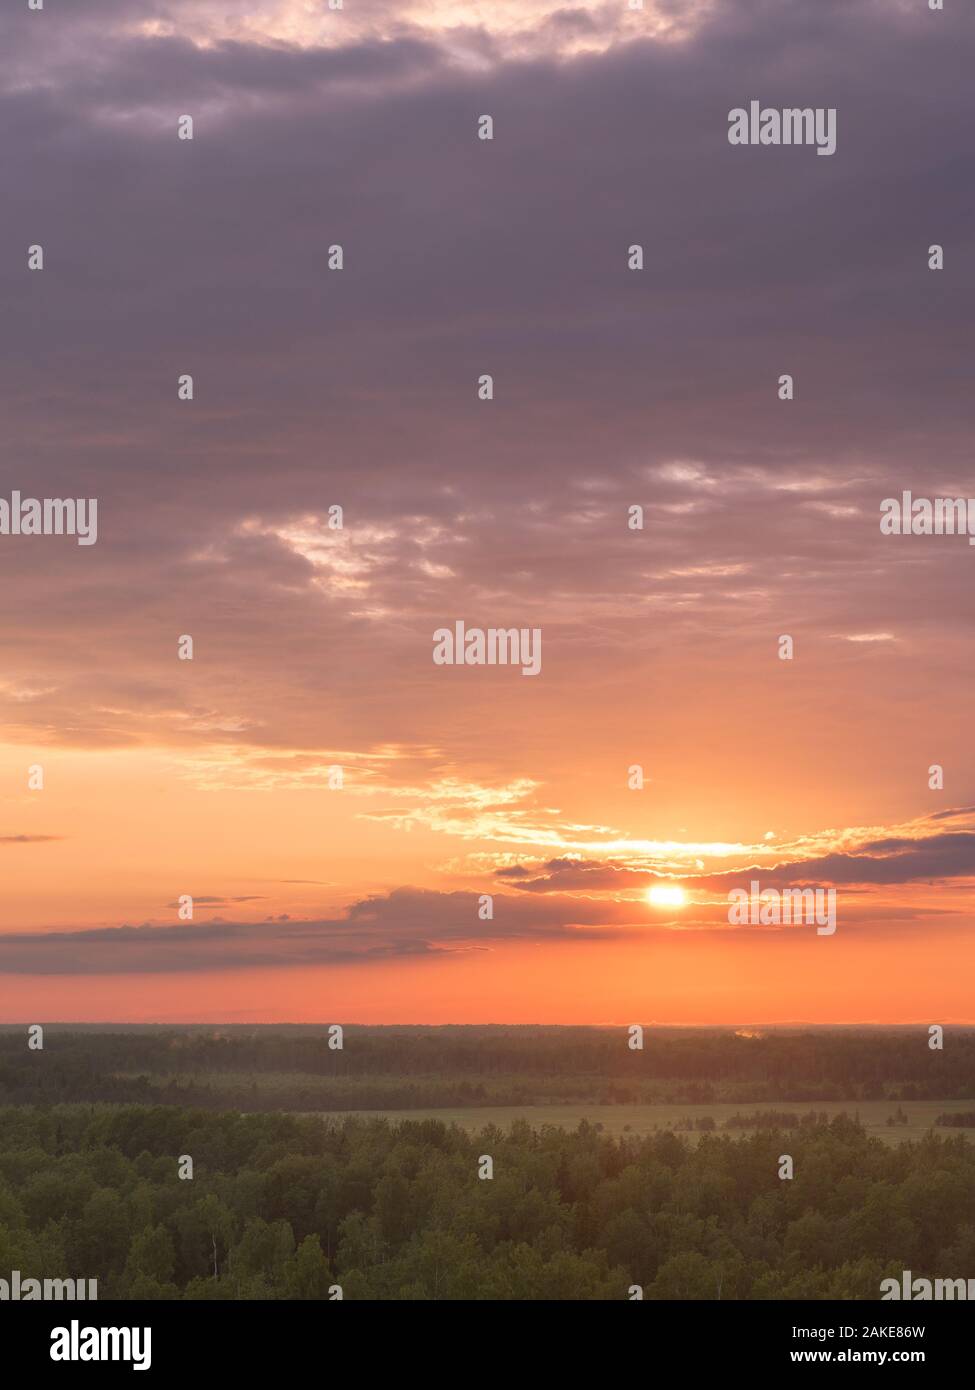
(648, 1119)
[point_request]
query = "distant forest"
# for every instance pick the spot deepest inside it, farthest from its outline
(414, 1068)
(287, 1207)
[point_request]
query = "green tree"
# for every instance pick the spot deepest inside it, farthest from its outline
(307, 1275)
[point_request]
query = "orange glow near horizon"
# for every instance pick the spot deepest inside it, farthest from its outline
(131, 830)
(742, 673)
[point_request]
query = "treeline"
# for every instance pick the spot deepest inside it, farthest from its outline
(281, 1207)
(392, 1068)
(772, 1119)
(759, 1119)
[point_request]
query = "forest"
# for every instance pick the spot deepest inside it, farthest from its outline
(416, 1068)
(198, 1163)
(286, 1207)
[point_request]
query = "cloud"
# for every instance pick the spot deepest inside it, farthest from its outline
(205, 900)
(552, 905)
(889, 860)
(28, 839)
(314, 389)
(405, 922)
(358, 126)
(471, 38)
(915, 855)
(576, 875)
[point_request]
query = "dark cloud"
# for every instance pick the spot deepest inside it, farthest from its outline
(463, 257)
(576, 875)
(936, 857)
(406, 922)
(27, 839)
(886, 860)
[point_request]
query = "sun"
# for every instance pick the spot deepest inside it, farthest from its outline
(661, 895)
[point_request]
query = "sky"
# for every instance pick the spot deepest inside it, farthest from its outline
(614, 388)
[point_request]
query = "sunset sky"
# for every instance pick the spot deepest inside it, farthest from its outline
(358, 388)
